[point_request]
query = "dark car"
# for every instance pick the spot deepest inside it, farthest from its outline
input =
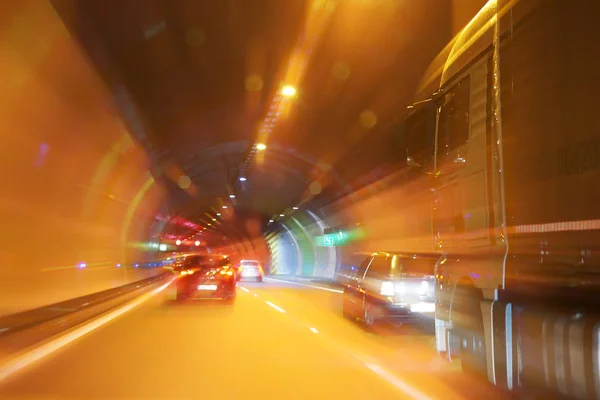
(392, 288)
(206, 277)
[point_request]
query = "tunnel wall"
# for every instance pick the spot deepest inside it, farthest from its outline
(286, 257)
(392, 214)
(296, 250)
(74, 187)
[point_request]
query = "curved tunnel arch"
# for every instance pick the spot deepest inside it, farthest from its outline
(58, 166)
(291, 168)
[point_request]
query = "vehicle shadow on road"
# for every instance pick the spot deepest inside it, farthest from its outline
(205, 307)
(424, 328)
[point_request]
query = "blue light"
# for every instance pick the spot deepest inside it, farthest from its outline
(118, 265)
(136, 265)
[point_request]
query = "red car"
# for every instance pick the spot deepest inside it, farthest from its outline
(206, 277)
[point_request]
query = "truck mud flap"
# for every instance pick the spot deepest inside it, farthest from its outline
(503, 345)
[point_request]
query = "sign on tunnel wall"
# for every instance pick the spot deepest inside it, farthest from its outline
(338, 238)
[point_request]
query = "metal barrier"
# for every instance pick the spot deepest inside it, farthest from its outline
(21, 330)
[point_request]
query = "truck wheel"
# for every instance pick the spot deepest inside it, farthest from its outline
(468, 322)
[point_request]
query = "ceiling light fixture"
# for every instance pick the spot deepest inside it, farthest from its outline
(223, 206)
(232, 196)
(295, 208)
(243, 179)
(261, 146)
(282, 215)
(288, 91)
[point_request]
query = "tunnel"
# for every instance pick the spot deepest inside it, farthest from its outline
(131, 145)
(135, 132)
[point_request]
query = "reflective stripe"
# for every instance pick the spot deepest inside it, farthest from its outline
(586, 225)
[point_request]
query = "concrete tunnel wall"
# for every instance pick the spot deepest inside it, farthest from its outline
(74, 187)
(392, 214)
(296, 250)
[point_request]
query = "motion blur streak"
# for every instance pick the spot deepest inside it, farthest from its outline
(139, 196)
(29, 357)
(245, 290)
(400, 384)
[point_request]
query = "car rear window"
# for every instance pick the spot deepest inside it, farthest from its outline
(196, 261)
(421, 266)
(250, 263)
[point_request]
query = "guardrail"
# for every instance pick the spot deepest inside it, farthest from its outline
(21, 330)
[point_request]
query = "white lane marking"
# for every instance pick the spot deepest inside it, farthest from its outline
(309, 286)
(281, 310)
(314, 330)
(23, 360)
(244, 289)
(398, 383)
(255, 295)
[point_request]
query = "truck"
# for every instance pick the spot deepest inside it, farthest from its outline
(504, 133)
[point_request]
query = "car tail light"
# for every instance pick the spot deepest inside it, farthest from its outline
(387, 289)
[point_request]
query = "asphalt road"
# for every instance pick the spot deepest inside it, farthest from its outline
(278, 340)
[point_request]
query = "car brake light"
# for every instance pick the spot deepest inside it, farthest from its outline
(387, 289)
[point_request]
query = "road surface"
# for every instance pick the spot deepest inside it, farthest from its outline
(278, 341)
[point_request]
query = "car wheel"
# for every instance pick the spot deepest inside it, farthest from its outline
(368, 316)
(345, 309)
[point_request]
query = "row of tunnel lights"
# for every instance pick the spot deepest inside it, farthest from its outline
(287, 91)
(270, 121)
(178, 242)
(281, 215)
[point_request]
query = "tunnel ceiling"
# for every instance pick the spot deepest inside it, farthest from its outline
(205, 74)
